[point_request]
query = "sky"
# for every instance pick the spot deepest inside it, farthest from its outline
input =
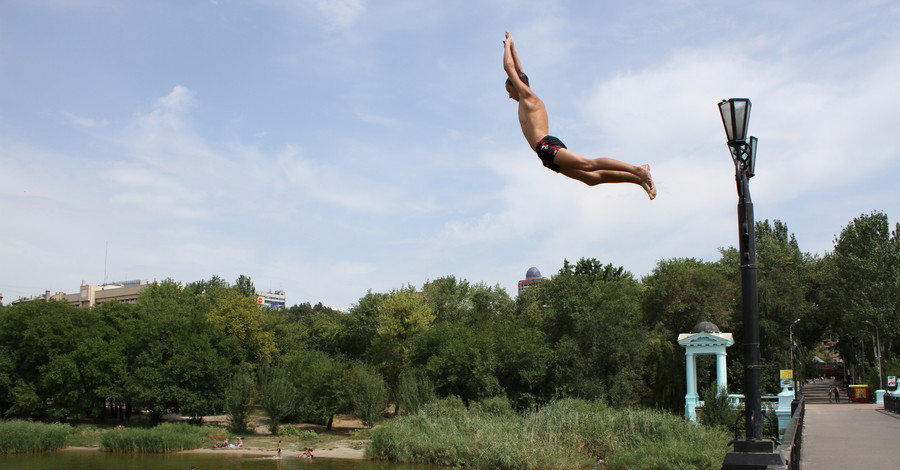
(329, 148)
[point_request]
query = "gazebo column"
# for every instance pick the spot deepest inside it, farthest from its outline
(691, 399)
(721, 372)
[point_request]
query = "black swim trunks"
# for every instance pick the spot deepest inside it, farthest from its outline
(547, 148)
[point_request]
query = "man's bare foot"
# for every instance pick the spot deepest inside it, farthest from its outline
(647, 182)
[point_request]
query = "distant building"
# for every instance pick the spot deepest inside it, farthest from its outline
(90, 295)
(271, 299)
(533, 276)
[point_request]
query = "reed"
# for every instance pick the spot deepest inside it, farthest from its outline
(564, 434)
(26, 437)
(167, 437)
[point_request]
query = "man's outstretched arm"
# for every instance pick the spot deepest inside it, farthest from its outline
(515, 56)
(513, 67)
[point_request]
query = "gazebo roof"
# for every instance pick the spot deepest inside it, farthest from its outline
(706, 339)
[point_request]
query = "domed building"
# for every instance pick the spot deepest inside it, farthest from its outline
(533, 276)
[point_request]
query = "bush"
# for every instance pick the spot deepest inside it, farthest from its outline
(301, 434)
(167, 437)
(565, 434)
(25, 436)
(496, 406)
(717, 409)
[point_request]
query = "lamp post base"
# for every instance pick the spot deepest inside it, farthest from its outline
(752, 455)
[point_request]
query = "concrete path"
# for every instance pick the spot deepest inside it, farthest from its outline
(850, 436)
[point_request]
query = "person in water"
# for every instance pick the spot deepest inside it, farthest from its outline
(552, 152)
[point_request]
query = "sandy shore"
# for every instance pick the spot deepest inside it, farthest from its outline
(336, 450)
(262, 443)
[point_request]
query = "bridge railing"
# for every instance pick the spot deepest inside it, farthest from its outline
(792, 441)
(892, 403)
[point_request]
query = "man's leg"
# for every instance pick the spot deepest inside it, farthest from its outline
(568, 158)
(594, 171)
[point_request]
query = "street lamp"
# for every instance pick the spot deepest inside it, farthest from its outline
(736, 118)
(878, 355)
(791, 335)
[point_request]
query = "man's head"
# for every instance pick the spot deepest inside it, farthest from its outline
(513, 93)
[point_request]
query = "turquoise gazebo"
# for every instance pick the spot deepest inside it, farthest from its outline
(704, 338)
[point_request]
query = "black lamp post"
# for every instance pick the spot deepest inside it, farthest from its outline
(736, 117)
(791, 337)
(752, 451)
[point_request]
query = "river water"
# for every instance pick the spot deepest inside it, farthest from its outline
(93, 460)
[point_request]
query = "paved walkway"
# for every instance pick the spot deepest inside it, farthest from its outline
(850, 436)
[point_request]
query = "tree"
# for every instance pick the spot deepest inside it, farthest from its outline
(238, 396)
(242, 319)
(862, 283)
(591, 314)
(368, 393)
(320, 384)
(461, 361)
(244, 286)
(414, 390)
(784, 289)
(678, 294)
(181, 361)
(399, 318)
(278, 396)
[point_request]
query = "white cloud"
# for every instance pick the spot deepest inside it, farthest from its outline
(85, 122)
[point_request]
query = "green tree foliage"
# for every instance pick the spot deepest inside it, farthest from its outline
(784, 286)
(592, 331)
(461, 360)
(65, 362)
(862, 283)
(244, 286)
(181, 361)
(242, 319)
(678, 294)
(591, 314)
(414, 390)
(278, 396)
(320, 382)
(401, 316)
(238, 399)
(368, 393)
(717, 409)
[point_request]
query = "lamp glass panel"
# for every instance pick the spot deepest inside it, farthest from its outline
(741, 110)
(725, 109)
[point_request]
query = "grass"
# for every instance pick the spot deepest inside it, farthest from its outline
(565, 434)
(167, 437)
(27, 437)
(84, 435)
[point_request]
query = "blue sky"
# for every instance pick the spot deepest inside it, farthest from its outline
(330, 147)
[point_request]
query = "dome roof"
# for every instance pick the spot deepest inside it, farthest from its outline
(705, 327)
(533, 273)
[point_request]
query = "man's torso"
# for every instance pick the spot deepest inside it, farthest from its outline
(533, 119)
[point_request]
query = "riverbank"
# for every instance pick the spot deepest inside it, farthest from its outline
(267, 445)
(336, 450)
